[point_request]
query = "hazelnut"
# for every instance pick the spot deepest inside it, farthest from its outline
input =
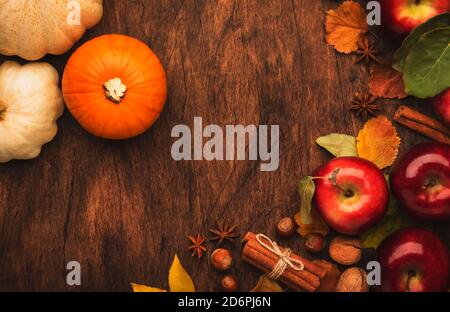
(353, 280)
(331, 279)
(221, 259)
(286, 228)
(345, 250)
(229, 284)
(314, 243)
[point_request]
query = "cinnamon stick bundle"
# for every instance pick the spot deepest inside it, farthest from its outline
(422, 124)
(260, 257)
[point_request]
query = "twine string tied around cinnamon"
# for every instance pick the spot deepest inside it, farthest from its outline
(285, 260)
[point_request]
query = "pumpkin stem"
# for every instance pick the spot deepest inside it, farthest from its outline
(115, 90)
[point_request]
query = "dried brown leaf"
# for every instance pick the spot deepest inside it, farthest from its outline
(346, 26)
(386, 82)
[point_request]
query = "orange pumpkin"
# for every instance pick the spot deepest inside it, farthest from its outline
(115, 86)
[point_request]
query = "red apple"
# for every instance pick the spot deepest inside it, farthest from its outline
(402, 16)
(413, 260)
(441, 105)
(351, 194)
(420, 181)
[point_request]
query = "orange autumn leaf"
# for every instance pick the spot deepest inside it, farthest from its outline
(346, 26)
(317, 226)
(386, 82)
(378, 142)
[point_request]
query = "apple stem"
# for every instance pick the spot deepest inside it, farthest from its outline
(430, 183)
(411, 275)
(333, 181)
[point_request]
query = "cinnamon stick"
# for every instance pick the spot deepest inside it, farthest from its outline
(259, 256)
(304, 279)
(253, 257)
(422, 124)
(309, 266)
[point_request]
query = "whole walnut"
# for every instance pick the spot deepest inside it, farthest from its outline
(353, 280)
(345, 250)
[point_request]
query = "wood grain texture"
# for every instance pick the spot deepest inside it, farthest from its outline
(123, 209)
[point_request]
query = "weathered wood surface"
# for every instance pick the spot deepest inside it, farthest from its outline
(123, 209)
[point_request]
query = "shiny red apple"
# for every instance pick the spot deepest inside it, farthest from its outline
(441, 105)
(413, 260)
(351, 194)
(420, 181)
(402, 16)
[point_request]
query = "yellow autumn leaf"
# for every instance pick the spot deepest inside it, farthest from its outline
(378, 142)
(266, 284)
(143, 288)
(346, 26)
(317, 226)
(179, 280)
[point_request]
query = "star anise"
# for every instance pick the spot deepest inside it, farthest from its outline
(363, 104)
(224, 232)
(367, 52)
(197, 245)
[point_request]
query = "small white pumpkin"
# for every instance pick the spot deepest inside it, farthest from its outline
(30, 104)
(34, 28)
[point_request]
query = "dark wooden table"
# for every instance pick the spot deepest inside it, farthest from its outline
(123, 209)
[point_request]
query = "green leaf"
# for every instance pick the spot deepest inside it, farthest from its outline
(306, 189)
(427, 67)
(394, 220)
(391, 223)
(392, 206)
(339, 145)
(439, 21)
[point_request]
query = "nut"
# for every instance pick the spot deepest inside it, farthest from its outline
(314, 242)
(229, 284)
(331, 279)
(221, 259)
(286, 228)
(353, 280)
(345, 250)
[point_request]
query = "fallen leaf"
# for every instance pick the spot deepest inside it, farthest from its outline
(378, 142)
(317, 226)
(391, 223)
(346, 26)
(439, 21)
(386, 82)
(392, 206)
(339, 145)
(394, 220)
(143, 288)
(306, 190)
(266, 284)
(427, 66)
(179, 280)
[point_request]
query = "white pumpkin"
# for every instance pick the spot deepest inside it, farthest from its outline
(34, 28)
(30, 104)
